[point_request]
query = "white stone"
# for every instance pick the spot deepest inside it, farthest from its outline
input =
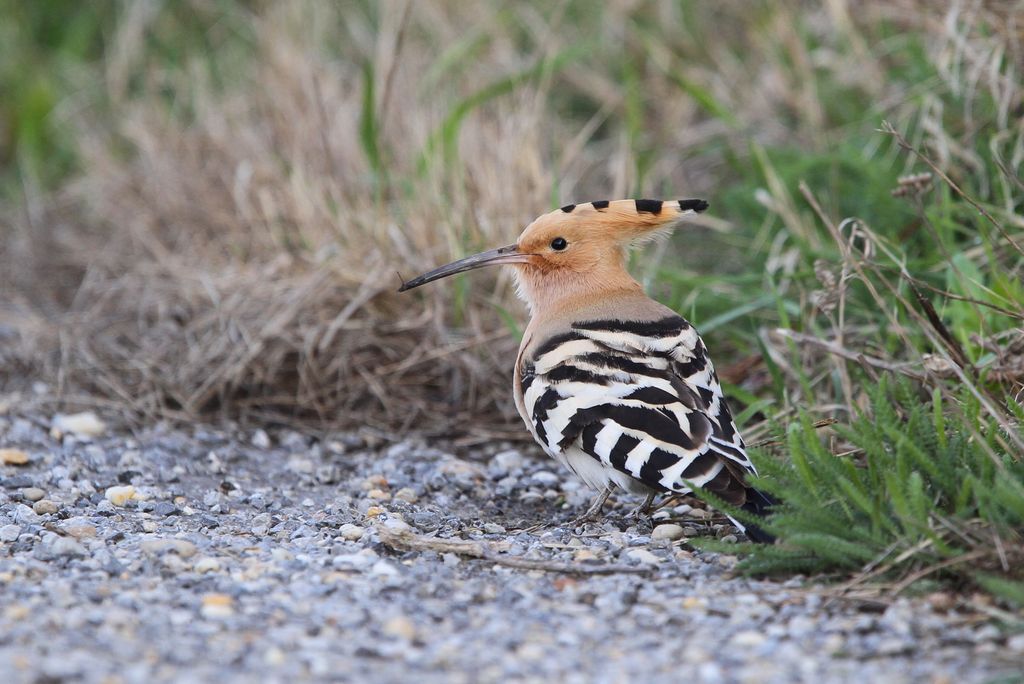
(359, 561)
(643, 556)
(546, 478)
(352, 532)
(1016, 643)
(382, 568)
(119, 495)
(748, 639)
(260, 439)
(206, 564)
(156, 546)
(85, 424)
(669, 532)
(396, 525)
(281, 555)
(505, 462)
(66, 546)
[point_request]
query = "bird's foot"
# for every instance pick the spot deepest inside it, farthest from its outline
(594, 511)
(641, 511)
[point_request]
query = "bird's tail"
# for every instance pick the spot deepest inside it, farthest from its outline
(759, 504)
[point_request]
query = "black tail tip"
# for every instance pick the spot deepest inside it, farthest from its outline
(758, 536)
(760, 504)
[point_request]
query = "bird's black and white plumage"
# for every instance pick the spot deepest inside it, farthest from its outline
(626, 395)
(612, 384)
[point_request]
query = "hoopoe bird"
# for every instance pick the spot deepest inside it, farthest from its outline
(613, 385)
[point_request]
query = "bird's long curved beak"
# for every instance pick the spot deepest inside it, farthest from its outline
(509, 254)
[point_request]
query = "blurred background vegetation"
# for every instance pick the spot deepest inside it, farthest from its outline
(204, 204)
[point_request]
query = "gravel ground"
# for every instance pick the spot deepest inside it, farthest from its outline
(217, 555)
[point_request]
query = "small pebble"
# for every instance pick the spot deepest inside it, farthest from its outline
(45, 507)
(206, 564)
(260, 439)
(78, 528)
(120, 495)
(17, 482)
(352, 532)
(401, 627)
(66, 546)
(379, 495)
(13, 457)
(727, 561)
(406, 494)
(9, 533)
(643, 556)
(165, 508)
(546, 478)
(375, 482)
(32, 493)
(747, 639)
(397, 525)
(85, 424)
(942, 600)
(383, 568)
(23, 515)
(505, 462)
(157, 546)
(670, 532)
(1015, 644)
(217, 606)
(584, 555)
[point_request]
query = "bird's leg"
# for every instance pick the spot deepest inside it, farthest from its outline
(643, 509)
(595, 508)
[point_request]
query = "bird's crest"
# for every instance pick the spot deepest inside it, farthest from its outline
(625, 214)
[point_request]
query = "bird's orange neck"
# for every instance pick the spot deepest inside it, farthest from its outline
(551, 292)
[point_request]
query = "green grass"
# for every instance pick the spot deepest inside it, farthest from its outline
(43, 52)
(913, 495)
(774, 113)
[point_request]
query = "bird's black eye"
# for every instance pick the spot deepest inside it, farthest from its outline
(558, 244)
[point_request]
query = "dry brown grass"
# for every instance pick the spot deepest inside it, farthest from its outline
(232, 246)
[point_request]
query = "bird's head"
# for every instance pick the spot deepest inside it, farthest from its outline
(578, 250)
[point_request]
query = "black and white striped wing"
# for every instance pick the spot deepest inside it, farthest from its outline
(640, 397)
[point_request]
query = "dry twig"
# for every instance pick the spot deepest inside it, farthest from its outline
(406, 540)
